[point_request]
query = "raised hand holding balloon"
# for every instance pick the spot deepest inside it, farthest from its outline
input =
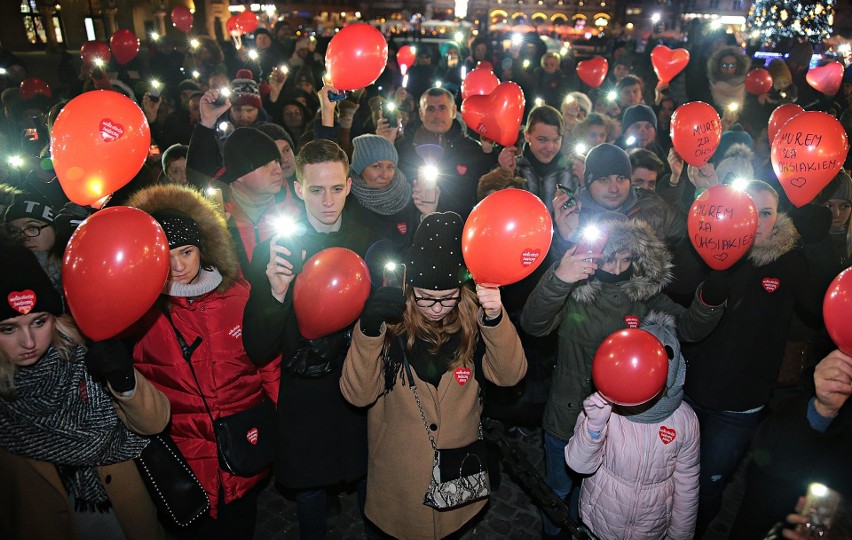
(722, 223)
(807, 154)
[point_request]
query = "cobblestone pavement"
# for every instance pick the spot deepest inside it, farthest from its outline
(510, 513)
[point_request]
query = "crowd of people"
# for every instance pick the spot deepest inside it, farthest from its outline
(255, 167)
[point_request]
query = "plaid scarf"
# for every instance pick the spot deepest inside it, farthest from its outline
(62, 416)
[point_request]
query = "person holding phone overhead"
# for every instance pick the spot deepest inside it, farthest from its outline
(441, 335)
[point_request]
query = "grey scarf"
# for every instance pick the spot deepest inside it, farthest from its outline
(383, 201)
(62, 416)
(207, 281)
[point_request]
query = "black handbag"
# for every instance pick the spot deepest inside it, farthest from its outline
(177, 494)
(245, 440)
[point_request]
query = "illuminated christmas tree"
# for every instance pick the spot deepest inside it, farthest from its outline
(769, 20)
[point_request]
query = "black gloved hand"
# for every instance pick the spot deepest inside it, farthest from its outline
(715, 290)
(812, 221)
(384, 304)
(110, 361)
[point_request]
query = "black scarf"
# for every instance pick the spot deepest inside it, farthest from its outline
(62, 416)
(541, 169)
(606, 277)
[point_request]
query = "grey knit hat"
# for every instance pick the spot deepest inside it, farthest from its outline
(839, 188)
(638, 113)
(245, 92)
(604, 160)
(435, 257)
(369, 149)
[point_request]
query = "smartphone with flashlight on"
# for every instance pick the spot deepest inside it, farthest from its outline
(154, 91)
(571, 201)
(428, 180)
(224, 94)
(290, 237)
(821, 504)
(389, 113)
(393, 275)
(592, 240)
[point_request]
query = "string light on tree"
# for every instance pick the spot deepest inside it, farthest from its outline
(774, 19)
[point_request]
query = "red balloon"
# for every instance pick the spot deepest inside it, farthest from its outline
(807, 154)
(498, 115)
(667, 62)
(758, 81)
(827, 78)
(696, 131)
(330, 291)
(722, 223)
(836, 308)
(516, 221)
(247, 22)
(630, 367)
(124, 45)
(593, 72)
(115, 267)
(99, 142)
(232, 25)
(182, 19)
(479, 82)
(779, 117)
(405, 57)
(484, 65)
(356, 56)
(32, 86)
(92, 50)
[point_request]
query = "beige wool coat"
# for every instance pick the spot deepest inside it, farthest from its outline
(400, 455)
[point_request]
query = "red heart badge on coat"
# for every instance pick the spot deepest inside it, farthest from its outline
(667, 434)
(251, 435)
(22, 301)
(529, 256)
(461, 169)
(462, 375)
(110, 130)
(402, 227)
(771, 284)
(632, 321)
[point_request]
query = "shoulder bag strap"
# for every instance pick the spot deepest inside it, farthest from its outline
(186, 351)
(410, 377)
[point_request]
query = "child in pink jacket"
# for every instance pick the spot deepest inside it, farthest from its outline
(643, 460)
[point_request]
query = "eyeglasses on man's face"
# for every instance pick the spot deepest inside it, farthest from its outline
(30, 230)
(429, 302)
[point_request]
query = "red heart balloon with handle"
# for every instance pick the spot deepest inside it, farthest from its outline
(124, 45)
(780, 116)
(696, 130)
(836, 309)
(518, 222)
(92, 50)
(479, 82)
(630, 367)
(807, 154)
(405, 57)
(827, 78)
(593, 72)
(182, 19)
(117, 253)
(722, 223)
(758, 81)
(498, 115)
(330, 291)
(667, 62)
(356, 56)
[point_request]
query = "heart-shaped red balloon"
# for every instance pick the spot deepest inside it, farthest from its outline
(758, 81)
(630, 367)
(182, 19)
(92, 50)
(696, 131)
(722, 223)
(780, 116)
(356, 56)
(498, 115)
(405, 57)
(593, 72)
(479, 82)
(667, 62)
(518, 222)
(807, 154)
(827, 78)
(836, 307)
(124, 45)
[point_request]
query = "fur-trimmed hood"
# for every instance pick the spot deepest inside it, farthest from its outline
(652, 262)
(783, 238)
(216, 246)
(713, 68)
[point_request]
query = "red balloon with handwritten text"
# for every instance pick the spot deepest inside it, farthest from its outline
(696, 131)
(722, 223)
(807, 154)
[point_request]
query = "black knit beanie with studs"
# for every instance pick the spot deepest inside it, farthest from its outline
(435, 259)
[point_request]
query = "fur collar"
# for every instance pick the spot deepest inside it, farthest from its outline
(652, 263)
(783, 238)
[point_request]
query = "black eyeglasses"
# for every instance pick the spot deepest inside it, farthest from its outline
(429, 302)
(30, 230)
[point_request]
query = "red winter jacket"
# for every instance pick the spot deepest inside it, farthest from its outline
(229, 381)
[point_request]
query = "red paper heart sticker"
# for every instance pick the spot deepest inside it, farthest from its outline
(251, 435)
(111, 131)
(667, 435)
(771, 284)
(462, 375)
(22, 301)
(632, 321)
(529, 256)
